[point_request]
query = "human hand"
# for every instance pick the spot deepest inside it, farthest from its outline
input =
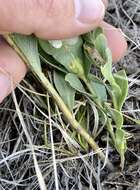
(49, 19)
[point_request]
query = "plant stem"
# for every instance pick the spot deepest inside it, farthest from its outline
(49, 87)
(71, 118)
(110, 129)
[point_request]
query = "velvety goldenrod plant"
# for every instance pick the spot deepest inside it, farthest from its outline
(71, 62)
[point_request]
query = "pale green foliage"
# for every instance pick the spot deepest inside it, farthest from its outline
(29, 46)
(122, 81)
(99, 89)
(71, 61)
(75, 82)
(101, 46)
(118, 90)
(65, 90)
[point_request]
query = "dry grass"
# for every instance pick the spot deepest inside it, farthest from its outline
(43, 132)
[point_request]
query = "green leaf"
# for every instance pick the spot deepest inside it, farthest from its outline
(121, 144)
(114, 90)
(100, 90)
(107, 68)
(115, 94)
(116, 116)
(75, 82)
(122, 81)
(121, 141)
(65, 90)
(101, 45)
(29, 47)
(66, 53)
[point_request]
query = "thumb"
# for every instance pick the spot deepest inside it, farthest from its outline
(50, 19)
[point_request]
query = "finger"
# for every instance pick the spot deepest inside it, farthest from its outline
(15, 69)
(11, 68)
(116, 41)
(50, 19)
(105, 3)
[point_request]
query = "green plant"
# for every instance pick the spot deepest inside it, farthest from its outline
(71, 61)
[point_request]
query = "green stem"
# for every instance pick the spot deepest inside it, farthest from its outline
(110, 129)
(48, 86)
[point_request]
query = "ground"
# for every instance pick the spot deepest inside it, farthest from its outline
(82, 171)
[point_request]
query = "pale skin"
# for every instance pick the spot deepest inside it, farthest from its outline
(50, 19)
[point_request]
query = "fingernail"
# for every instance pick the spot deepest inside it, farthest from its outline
(88, 11)
(5, 85)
